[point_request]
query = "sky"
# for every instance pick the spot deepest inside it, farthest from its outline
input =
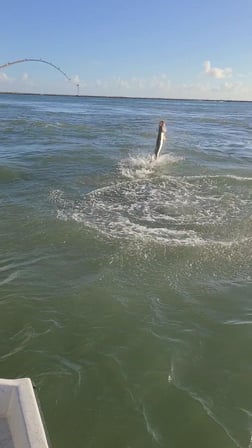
(198, 49)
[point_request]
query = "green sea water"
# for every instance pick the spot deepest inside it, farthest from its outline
(126, 285)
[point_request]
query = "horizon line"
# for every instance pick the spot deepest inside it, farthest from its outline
(123, 97)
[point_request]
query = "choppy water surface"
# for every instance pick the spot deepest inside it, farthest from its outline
(126, 284)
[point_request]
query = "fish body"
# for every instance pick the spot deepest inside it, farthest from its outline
(160, 139)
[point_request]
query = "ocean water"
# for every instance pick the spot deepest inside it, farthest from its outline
(126, 284)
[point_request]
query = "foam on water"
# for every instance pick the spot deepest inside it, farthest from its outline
(169, 210)
(140, 166)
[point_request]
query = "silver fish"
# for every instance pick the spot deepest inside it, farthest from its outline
(160, 138)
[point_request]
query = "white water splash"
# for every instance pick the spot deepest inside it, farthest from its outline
(170, 210)
(140, 166)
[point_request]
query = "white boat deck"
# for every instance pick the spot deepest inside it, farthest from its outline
(5, 434)
(21, 425)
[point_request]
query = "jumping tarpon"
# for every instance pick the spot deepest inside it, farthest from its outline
(160, 139)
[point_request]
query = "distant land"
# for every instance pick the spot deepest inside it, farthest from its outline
(125, 97)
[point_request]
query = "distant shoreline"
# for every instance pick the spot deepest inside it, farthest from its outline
(124, 97)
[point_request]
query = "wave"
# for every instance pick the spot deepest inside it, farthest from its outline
(11, 174)
(11, 268)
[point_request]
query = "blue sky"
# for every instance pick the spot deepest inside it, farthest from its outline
(151, 48)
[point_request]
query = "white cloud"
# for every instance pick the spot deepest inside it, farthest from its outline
(25, 77)
(4, 77)
(76, 79)
(160, 83)
(216, 72)
(26, 80)
(229, 85)
(157, 85)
